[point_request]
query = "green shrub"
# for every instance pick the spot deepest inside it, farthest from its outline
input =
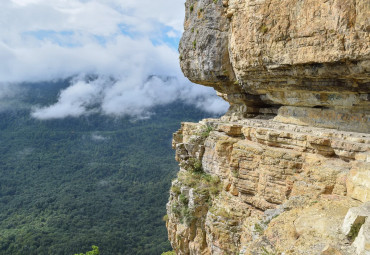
(165, 218)
(214, 190)
(190, 181)
(176, 190)
(191, 8)
(95, 251)
(193, 165)
(176, 209)
(169, 253)
(206, 131)
(183, 199)
(186, 216)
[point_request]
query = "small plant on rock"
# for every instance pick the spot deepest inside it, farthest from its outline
(206, 131)
(193, 165)
(355, 229)
(263, 29)
(183, 199)
(258, 229)
(176, 190)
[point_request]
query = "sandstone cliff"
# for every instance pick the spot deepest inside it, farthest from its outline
(287, 169)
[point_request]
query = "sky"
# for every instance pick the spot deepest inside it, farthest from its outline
(129, 45)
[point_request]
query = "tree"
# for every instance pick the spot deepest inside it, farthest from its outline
(169, 253)
(95, 251)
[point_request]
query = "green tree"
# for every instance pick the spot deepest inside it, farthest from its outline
(95, 251)
(169, 253)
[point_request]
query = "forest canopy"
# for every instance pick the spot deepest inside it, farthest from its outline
(68, 184)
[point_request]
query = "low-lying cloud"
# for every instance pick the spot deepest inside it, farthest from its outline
(123, 42)
(128, 97)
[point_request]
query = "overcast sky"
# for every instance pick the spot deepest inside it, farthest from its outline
(127, 40)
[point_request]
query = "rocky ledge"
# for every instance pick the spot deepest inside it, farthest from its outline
(261, 187)
(306, 61)
(287, 169)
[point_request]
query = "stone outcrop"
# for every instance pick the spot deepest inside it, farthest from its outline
(356, 225)
(256, 186)
(311, 57)
(287, 169)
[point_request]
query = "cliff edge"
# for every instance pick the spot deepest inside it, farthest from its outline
(287, 169)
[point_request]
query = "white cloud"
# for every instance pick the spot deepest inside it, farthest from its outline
(73, 101)
(128, 97)
(98, 138)
(45, 40)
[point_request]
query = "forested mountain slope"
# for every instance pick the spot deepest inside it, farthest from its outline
(68, 184)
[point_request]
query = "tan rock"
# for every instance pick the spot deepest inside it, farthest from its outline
(329, 250)
(358, 182)
(311, 57)
(356, 225)
(264, 170)
(362, 241)
(355, 215)
(291, 155)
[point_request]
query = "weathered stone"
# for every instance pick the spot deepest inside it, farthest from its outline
(362, 242)
(280, 170)
(301, 55)
(327, 118)
(356, 225)
(329, 250)
(204, 55)
(358, 182)
(355, 215)
(271, 166)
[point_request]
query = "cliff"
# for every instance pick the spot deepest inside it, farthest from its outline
(287, 169)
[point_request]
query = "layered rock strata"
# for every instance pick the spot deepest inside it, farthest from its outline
(310, 59)
(287, 169)
(277, 188)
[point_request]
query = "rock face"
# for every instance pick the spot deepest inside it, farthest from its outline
(280, 172)
(312, 57)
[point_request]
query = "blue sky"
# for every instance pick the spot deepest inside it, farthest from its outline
(128, 40)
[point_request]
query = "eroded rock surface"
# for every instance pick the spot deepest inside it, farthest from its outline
(256, 186)
(311, 56)
(285, 169)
